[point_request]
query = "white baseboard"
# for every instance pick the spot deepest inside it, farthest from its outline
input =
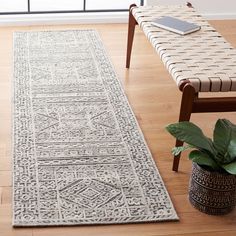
(59, 18)
(84, 18)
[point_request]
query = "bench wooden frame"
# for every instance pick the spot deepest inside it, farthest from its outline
(190, 103)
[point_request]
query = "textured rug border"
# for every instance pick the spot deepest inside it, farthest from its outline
(76, 222)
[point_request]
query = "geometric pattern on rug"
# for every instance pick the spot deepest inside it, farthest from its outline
(79, 156)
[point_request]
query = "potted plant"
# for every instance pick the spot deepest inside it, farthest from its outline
(213, 181)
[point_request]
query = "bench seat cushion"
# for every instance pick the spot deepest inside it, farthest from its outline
(204, 57)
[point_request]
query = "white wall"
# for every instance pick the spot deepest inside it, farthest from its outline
(211, 9)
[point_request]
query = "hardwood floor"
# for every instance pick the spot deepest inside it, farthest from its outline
(155, 100)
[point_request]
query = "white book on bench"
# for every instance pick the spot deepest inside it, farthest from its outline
(175, 25)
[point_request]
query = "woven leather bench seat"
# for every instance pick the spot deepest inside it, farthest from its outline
(199, 62)
(203, 57)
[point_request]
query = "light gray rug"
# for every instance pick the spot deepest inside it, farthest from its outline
(79, 155)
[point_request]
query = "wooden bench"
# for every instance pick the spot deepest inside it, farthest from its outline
(198, 62)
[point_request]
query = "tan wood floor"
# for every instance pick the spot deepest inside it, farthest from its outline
(155, 100)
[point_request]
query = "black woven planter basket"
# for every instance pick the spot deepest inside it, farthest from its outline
(212, 192)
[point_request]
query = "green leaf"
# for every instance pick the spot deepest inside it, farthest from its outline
(202, 158)
(221, 137)
(232, 150)
(224, 134)
(228, 156)
(177, 150)
(231, 125)
(191, 134)
(230, 168)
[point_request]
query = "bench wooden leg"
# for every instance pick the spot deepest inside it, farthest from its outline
(188, 97)
(131, 28)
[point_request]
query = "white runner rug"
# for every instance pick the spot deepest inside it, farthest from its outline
(79, 155)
